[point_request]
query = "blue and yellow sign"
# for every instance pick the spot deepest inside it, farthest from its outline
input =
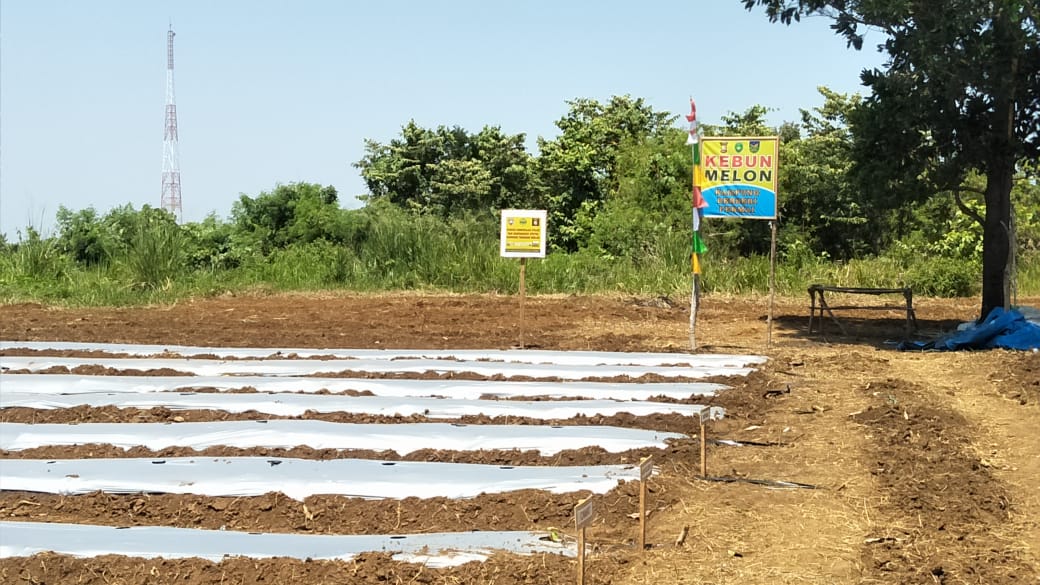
(737, 176)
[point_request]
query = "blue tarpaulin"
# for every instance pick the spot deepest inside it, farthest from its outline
(1001, 329)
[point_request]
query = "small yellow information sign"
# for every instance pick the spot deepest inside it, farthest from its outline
(523, 233)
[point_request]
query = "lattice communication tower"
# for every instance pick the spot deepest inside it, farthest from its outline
(171, 165)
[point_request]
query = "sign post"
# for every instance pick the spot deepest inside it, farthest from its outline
(646, 468)
(738, 179)
(772, 282)
(584, 514)
(522, 236)
(523, 295)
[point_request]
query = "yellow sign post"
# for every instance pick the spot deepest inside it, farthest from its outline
(523, 237)
(737, 177)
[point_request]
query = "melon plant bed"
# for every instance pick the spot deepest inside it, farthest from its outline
(855, 530)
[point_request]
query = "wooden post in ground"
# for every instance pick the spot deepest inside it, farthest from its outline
(523, 295)
(522, 236)
(646, 468)
(772, 283)
(584, 513)
(704, 415)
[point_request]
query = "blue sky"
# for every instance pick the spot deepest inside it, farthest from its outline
(275, 92)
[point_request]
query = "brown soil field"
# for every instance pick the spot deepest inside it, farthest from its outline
(925, 464)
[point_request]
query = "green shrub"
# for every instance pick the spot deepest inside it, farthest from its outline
(944, 277)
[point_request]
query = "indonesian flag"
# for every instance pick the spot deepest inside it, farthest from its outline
(698, 198)
(693, 137)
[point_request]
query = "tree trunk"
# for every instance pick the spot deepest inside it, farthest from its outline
(1000, 169)
(996, 236)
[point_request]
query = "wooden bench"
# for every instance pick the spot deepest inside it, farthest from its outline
(818, 305)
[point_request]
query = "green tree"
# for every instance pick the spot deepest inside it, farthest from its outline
(959, 92)
(750, 122)
(293, 213)
(210, 244)
(123, 224)
(447, 171)
(402, 170)
(652, 199)
(821, 202)
(84, 236)
(510, 167)
(578, 168)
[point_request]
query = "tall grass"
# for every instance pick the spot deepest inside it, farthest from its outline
(38, 258)
(401, 251)
(1027, 280)
(155, 256)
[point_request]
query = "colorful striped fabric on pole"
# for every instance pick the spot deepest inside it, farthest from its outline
(697, 201)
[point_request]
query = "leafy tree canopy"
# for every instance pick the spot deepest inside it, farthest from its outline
(297, 212)
(960, 92)
(448, 170)
(578, 168)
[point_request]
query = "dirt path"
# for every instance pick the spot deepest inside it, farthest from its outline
(925, 463)
(1000, 411)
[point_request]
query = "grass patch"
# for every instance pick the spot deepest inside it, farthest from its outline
(408, 252)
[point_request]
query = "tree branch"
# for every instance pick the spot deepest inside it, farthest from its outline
(964, 208)
(835, 13)
(975, 190)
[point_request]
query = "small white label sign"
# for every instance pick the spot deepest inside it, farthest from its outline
(584, 513)
(646, 468)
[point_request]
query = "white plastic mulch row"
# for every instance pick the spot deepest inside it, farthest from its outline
(563, 358)
(299, 404)
(286, 434)
(300, 478)
(21, 539)
(463, 389)
(210, 367)
(281, 388)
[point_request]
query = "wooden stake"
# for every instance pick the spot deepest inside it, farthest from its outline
(584, 514)
(772, 283)
(704, 442)
(646, 467)
(523, 294)
(581, 556)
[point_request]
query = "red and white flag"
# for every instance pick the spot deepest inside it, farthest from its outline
(694, 136)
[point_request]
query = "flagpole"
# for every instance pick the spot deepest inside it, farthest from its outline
(695, 285)
(696, 245)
